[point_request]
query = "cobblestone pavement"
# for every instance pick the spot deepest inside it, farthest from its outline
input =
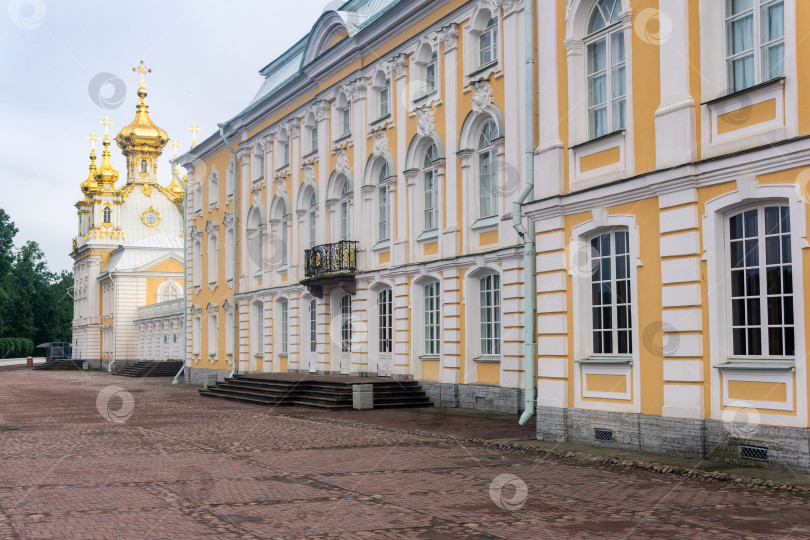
(148, 460)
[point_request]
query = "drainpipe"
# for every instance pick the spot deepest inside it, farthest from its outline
(172, 165)
(527, 236)
(114, 302)
(236, 183)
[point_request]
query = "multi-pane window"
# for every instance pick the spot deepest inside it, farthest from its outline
(487, 171)
(346, 324)
(345, 211)
(755, 41)
(144, 166)
(346, 120)
(313, 220)
(213, 331)
(432, 315)
(313, 325)
(385, 306)
(606, 69)
(610, 294)
(283, 245)
(430, 74)
(385, 99)
(488, 43)
(490, 290)
(106, 215)
(285, 330)
(384, 205)
(169, 292)
(431, 189)
(762, 317)
(285, 153)
(259, 163)
(213, 259)
(313, 139)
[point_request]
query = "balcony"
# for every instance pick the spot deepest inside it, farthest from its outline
(330, 264)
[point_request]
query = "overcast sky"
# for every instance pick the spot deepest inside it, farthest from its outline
(204, 54)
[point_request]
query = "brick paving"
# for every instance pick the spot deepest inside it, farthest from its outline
(180, 466)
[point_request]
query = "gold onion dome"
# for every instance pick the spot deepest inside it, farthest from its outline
(107, 176)
(142, 135)
(90, 184)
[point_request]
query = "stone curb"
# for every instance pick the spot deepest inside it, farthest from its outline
(590, 459)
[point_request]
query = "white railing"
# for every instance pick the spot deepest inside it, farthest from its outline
(164, 309)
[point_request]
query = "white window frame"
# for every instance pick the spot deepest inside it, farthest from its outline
(313, 325)
(257, 329)
(342, 117)
(284, 316)
(312, 220)
(384, 204)
(213, 258)
(230, 178)
(611, 31)
(430, 218)
(758, 49)
(213, 189)
(344, 213)
(432, 318)
(385, 321)
(258, 163)
(169, 291)
(614, 306)
(489, 42)
(474, 35)
(213, 334)
(489, 150)
(426, 67)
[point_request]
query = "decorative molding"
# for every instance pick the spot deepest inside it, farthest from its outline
(309, 173)
(243, 155)
(399, 64)
(482, 98)
(356, 89)
(211, 228)
(228, 220)
(426, 123)
(448, 36)
(380, 142)
(320, 109)
(343, 162)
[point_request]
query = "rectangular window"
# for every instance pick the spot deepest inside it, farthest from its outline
(313, 139)
(431, 201)
(432, 319)
(313, 326)
(488, 43)
(490, 288)
(213, 328)
(346, 324)
(755, 41)
(385, 99)
(610, 294)
(430, 75)
(346, 120)
(285, 153)
(488, 183)
(284, 327)
(213, 259)
(760, 257)
(606, 84)
(385, 221)
(229, 254)
(284, 241)
(385, 306)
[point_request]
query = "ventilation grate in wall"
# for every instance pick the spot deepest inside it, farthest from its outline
(756, 453)
(603, 434)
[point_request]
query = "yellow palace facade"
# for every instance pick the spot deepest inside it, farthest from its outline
(356, 217)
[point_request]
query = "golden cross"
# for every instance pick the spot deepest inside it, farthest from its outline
(142, 69)
(175, 143)
(194, 129)
(106, 123)
(93, 138)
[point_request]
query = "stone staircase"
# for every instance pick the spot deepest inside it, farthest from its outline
(151, 369)
(320, 393)
(61, 365)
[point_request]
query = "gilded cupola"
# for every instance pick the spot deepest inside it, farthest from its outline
(90, 185)
(107, 176)
(142, 141)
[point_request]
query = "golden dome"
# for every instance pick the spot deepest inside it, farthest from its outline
(142, 136)
(107, 176)
(90, 184)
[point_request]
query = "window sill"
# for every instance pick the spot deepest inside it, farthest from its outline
(617, 134)
(618, 360)
(487, 359)
(425, 96)
(258, 355)
(485, 223)
(283, 168)
(343, 137)
(381, 246)
(381, 119)
(482, 68)
(762, 363)
(310, 155)
(432, 234)
(736, 93)
(282, 269)
(430, 357)
(257, 180)
(283, 355)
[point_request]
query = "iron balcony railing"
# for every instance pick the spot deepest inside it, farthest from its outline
(327, 260)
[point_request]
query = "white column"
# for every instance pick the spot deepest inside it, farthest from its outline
(550, 152)
(451, 245)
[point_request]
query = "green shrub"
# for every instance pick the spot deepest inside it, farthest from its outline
(16, 347)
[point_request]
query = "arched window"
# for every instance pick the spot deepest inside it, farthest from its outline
(107, 214)
(312, 216)
(488, 43)
(383, 201)
(431, 189)
(256, 242)
(605, 69)
(345, 210)
(487, 171)
(169, 292)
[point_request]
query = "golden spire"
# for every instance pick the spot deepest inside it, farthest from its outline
(175, 143)
(90, 185)
(142, 141)
(194, 129)
(107, 176)
(142, 69)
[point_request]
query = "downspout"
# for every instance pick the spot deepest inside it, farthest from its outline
(172, 165)
(115, 303)
(527, 236)
(236, 183)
